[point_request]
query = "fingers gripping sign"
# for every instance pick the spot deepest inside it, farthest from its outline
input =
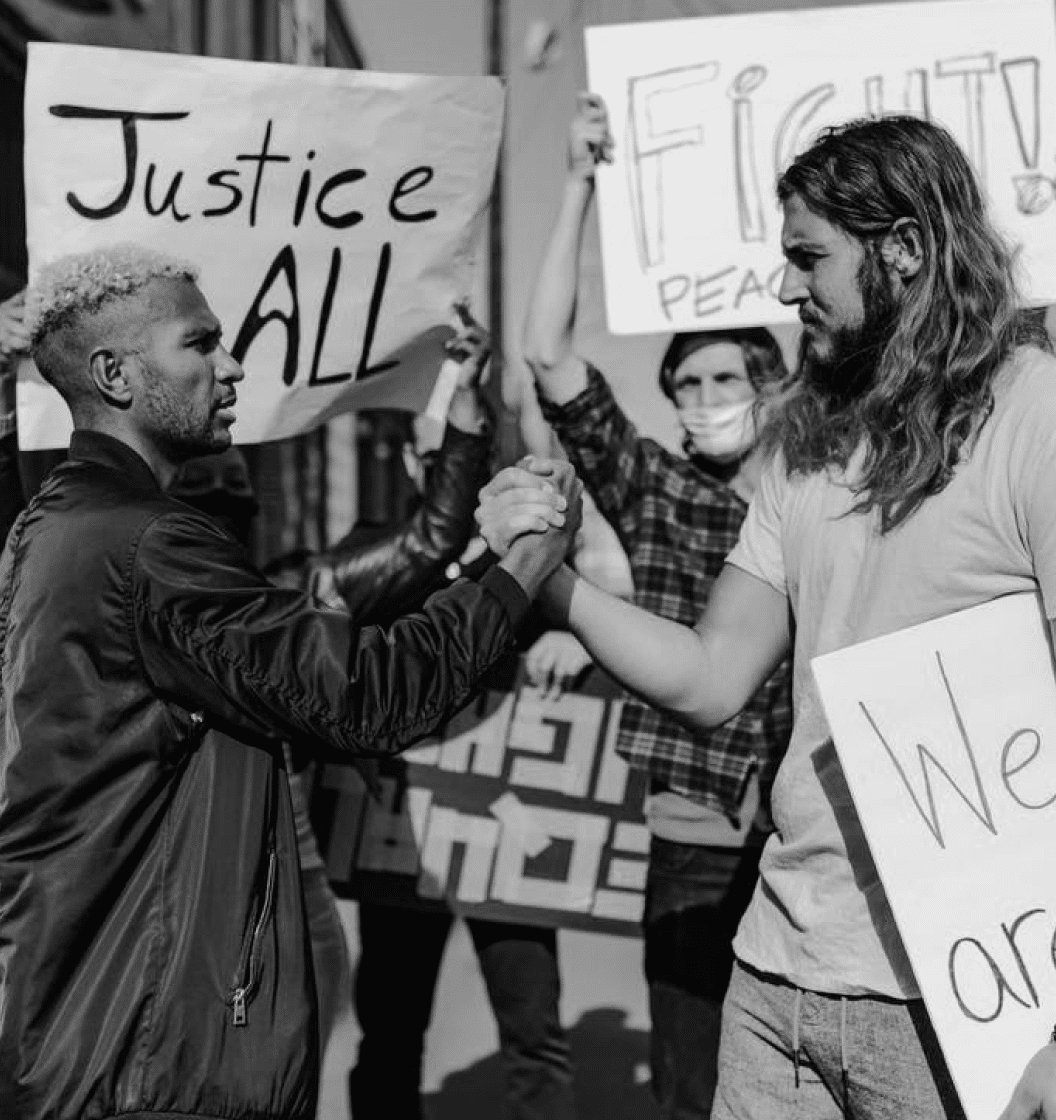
(14, 335)
(1035, 1095)
(470, 349)
(590, 141)
(555, 662)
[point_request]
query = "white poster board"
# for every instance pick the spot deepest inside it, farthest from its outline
(335, 214)
(706, 112)
(946, 733)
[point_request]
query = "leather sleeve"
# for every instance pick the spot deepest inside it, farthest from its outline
(392, 573)
(264, 661)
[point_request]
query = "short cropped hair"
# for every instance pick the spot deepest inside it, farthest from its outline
(69, 291)
(80, 283)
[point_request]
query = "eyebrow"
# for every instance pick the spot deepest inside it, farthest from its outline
(807, 245)
(200, 332)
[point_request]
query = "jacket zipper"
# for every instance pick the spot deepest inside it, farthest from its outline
(249, 966)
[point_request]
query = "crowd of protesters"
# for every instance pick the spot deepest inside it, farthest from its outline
(169, 944)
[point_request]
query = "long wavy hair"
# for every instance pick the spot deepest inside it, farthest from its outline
(958, 321)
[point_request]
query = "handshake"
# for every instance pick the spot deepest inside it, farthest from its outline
(529, 515)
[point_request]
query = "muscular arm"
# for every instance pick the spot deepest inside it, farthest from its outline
(703, 675)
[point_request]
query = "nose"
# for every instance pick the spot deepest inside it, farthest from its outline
(227, 369)
(709, 394)
(793, 287)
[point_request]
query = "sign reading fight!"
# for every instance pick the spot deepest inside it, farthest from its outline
(518, 810)
(946, 733)
(335, 214)
(707, 112)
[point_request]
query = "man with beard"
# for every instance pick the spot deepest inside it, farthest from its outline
(677, 518)
(915, 476)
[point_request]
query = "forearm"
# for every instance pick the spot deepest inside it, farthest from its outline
(550, 322)
(467, 412)
(394, 572)
(664, 663)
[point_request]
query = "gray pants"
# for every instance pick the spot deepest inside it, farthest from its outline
(799, 1055)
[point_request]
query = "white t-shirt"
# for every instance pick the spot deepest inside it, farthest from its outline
(819, 917)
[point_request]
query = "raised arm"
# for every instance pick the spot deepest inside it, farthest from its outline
(381, 576)
(560, 374)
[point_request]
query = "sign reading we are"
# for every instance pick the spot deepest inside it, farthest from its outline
(335, 215)
(707, 112)
(946, 733)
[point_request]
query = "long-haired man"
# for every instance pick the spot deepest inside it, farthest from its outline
(915, 476)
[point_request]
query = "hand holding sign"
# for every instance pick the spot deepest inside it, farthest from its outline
(589, 139)
(14, 338)
(1035, 1095)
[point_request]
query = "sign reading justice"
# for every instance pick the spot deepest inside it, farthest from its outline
(946, 733)
(707, 112)
(335, 215)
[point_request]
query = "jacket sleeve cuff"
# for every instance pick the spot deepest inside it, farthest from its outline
(581, 410)
(508, 591)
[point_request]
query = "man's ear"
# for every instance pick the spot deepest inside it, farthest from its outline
(902, 249)
(109, 374)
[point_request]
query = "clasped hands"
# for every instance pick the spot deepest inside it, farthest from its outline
(541, 496)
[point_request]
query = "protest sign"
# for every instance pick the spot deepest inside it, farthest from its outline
(335, 214)
(518, 810)
(946, 733)
(707, 112)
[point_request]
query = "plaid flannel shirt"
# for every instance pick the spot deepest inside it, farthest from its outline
(677, 525)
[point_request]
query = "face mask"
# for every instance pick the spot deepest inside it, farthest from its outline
(721, 432)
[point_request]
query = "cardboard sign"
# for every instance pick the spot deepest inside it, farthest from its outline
(518, 810)
(707, 112)
(946, 733)
(335, 214)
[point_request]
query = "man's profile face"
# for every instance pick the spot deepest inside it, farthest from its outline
(186, 388)
(822, 278)
(845, 300)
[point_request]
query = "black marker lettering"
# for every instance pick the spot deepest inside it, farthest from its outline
(408, 183)
(128, 120)
(286, 264)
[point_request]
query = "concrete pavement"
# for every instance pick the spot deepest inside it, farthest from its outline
(604, 1007)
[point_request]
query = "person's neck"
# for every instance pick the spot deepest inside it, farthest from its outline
(741, 475)
(162, 469)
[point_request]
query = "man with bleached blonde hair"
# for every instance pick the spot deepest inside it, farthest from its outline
(154, 958)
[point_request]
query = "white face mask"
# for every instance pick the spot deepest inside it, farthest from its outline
(720, 432)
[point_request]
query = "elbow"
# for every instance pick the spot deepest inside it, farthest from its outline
(543, 355)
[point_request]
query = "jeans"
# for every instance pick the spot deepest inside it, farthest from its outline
(695, 896)
(395, 982)
(801, 1055)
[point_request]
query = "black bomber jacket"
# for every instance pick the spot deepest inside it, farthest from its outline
(154, 960)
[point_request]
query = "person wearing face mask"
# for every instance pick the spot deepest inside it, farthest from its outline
(676, 518)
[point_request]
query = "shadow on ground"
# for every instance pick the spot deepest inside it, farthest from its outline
(606, 1052)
